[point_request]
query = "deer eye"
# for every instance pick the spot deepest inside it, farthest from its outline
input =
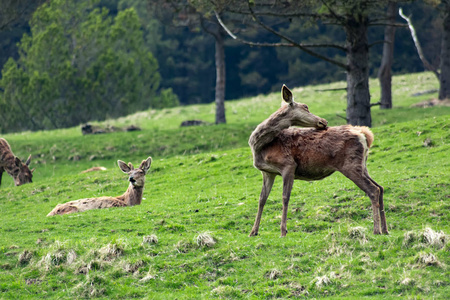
(306, 107)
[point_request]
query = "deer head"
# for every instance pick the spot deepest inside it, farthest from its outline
(136, 176)
(22, 173)
(298, 113)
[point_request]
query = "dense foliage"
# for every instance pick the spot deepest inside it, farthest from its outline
(78, 64)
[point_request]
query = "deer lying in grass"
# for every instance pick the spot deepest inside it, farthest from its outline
(13, 165)
(132, 196)
(311, 154)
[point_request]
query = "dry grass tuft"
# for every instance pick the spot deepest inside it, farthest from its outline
(58, 255)
(25, 257)
(147, 278)
(336, 250)
(409, 238)
(112, 251)
(132, 267)
(150, 239)
(274, 274)
(205, 240)
(408, 281)
(55, 258)
(324, 280)
(93, 265)
(71, 257)
(183, 246)
(427, 259)
(90, 288)
(358, 233)
(298, 290)
(428, 237)
(150, 276)
(434, 238)
(226, 291)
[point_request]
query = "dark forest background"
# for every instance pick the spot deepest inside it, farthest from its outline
(185, 55)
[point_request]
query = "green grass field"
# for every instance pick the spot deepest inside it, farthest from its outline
(189, 237)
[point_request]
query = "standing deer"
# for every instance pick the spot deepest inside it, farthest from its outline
(132, 196)
(13, 165)
(311, 154)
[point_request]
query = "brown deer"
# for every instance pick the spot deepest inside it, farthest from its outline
(311, 154)
(13, 165)
(132, 196)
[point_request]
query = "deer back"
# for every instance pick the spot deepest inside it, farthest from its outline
(86, 204)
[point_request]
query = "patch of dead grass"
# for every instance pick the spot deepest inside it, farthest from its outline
(321, 281)
(150, 239)
(25, 257)
(205, 240)
(358, 233)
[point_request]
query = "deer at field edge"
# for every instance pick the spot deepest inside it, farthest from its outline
(133, 195)
(10, 163)
(311, 154)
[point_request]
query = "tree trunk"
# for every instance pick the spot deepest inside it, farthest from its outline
(384, 73)
(444, 78)
(220, 77)
(358, 96)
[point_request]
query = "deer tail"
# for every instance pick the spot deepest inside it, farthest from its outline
(368, 133)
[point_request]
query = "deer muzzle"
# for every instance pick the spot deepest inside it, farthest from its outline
(322, 124)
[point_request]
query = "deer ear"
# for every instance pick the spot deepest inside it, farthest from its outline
(17, 161)
(123, 166)
(28, 160)
(131, 166)
(145, 164)
(286, 94)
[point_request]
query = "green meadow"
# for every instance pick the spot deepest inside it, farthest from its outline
(189, 237)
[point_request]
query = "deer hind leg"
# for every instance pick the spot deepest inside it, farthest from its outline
(1, 175)
(365, 183)
(268, 180)
(384, 229)
(288, 182)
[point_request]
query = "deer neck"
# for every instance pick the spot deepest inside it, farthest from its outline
(7, 159)
(9, 167)
(268, 130)
(133, 195)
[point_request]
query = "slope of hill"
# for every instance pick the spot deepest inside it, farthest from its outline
(188, 238)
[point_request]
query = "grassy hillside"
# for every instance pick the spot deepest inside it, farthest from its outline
(188, 239)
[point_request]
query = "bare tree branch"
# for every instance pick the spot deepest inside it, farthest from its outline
(282, 14)
(315, 54)
(342, 117)
(425, 62)
(225, 27)
(389, 24)
(291, 43)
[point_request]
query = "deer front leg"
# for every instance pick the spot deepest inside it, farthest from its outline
(1, 174)
(288, 182)
(268, 180)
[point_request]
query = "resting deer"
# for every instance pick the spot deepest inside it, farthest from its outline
(311, 154)
(132, 196)
(13, 165)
